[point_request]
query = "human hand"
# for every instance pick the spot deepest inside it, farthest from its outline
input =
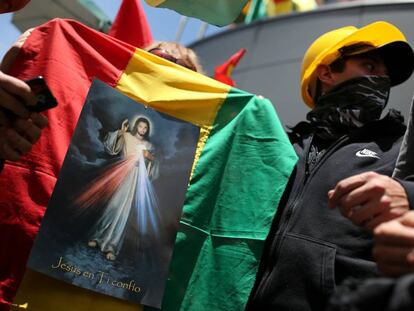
(14, 93)
(148, 155)
(369, 199)
(394, 246)
(18, 136)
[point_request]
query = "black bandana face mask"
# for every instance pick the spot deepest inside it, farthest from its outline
(350, 105)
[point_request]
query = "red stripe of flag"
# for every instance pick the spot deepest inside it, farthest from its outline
(60, 51)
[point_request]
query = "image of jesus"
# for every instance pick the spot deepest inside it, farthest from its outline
(123, 187)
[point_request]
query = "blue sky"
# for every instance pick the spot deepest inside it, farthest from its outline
(163, 22)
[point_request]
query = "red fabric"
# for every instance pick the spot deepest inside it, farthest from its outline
(131, 25)
(60, 51)
(223, 72)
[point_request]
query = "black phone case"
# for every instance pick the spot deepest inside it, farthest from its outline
(45, 98)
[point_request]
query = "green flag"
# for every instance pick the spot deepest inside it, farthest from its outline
(216, 12)
(231, 201)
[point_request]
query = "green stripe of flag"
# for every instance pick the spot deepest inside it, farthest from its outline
(231, 201)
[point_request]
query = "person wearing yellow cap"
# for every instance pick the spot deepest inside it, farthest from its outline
(340, 189)
(393, 252)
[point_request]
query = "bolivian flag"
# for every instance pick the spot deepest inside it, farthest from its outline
(216, 12)
(242, 165)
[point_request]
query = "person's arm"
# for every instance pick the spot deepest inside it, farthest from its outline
(379, 294)
(394, 246)
(408, 184)
(369, 199)
(394, 253)
(404, 168)
(19, 129)
(405, 161)
(18, 136)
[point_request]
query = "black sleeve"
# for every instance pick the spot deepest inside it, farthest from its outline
(379, 294)
(408, 185)
(1, 164)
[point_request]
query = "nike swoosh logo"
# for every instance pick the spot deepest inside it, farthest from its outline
(366, 154)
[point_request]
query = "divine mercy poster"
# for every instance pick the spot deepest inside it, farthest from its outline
(112, 220)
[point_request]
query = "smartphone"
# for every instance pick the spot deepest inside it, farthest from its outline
(45, 98)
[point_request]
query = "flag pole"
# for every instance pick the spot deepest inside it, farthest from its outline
(181, 26)
(202, 31)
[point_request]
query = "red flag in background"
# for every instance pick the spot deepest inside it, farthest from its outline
(223, 72)
(131, 25)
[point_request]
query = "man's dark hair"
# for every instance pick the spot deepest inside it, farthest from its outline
(135, 127)
(339, 64)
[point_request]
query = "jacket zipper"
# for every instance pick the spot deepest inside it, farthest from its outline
(283, 223)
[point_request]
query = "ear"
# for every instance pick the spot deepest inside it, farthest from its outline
(326, 76)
